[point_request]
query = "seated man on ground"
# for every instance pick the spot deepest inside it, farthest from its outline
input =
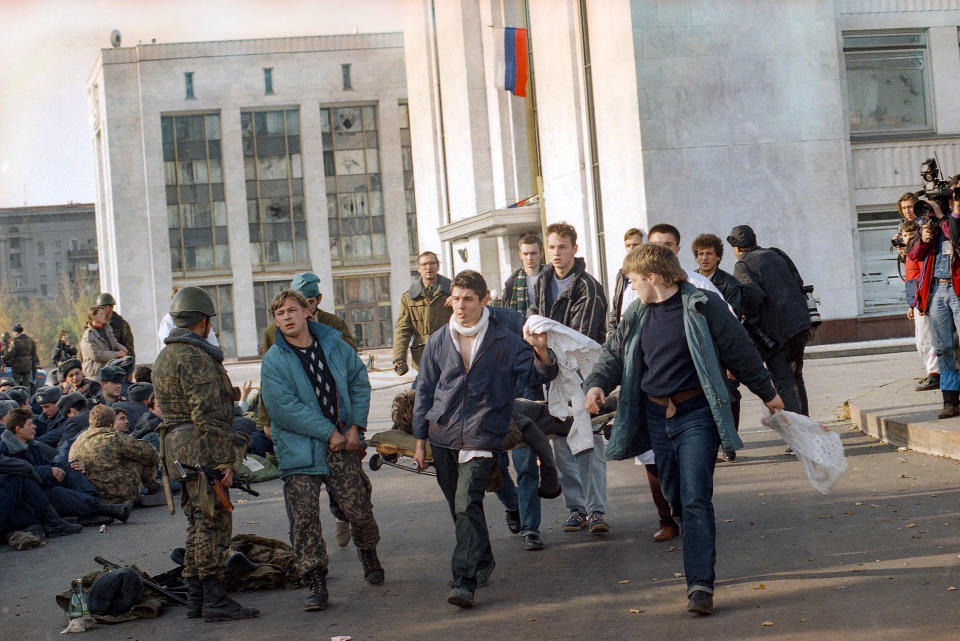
(117, 464)
(49, 421)
(23, 504)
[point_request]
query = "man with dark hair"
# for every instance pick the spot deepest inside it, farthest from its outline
(72, 379)
(142, 374)
(519, 288)
(775, 313)
(708, 252)
(196, 399)
(70, 492)
(465, 430)
(24, 504)
(423, 310)
(317, 391)
(566, 293)
(111, 384)
(135, 405)
(669, 356)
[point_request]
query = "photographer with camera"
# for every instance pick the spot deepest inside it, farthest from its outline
(907, 235)
(939, 281)
(775, 313)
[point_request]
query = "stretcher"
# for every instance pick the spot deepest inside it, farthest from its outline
(394, 445)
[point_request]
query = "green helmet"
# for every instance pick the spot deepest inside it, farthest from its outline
(5, 336)
(193, 299)
(105, 299)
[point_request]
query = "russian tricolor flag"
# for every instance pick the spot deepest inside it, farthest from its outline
(515, 61)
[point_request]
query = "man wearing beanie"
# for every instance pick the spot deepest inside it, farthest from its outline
(195, 397)
(73, 380)
(115, 463)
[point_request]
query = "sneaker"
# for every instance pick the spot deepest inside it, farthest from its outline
(461, 597)
(728, 456)
(700, 602)
(343, 533)
(532, 542)
(576, 521)
(483, 574)
(930, 382)
(513, 521)
(949, 410)
(597, 524)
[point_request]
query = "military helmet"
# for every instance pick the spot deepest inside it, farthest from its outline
(193, 299)
(105, 299)
(5, 336)
(6, 381)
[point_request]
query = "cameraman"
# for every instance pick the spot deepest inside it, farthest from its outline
(940, 284)
(775, 313)
(907, 236)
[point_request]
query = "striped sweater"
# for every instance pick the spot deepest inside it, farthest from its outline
(583, 306)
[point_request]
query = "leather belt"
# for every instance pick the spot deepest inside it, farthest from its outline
(945, 281)
(670, 402)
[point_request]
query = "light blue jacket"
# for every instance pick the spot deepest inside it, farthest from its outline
(297, 425)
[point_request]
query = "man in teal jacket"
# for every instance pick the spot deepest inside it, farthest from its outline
(318, 396)
(669, 355)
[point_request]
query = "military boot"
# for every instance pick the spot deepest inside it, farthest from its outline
(194, 597)
(372, 570)
(53, 525)
(118, 511)
(217, 606)
(317, 583)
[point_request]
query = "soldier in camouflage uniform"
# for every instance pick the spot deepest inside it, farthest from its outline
(119, 325)
(195, 395)
(318, 395)
(115, 463)
(22, 358)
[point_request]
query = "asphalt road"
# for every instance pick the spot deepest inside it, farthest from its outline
(878, 558)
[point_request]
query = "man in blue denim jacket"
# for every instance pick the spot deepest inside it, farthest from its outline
(465, 393)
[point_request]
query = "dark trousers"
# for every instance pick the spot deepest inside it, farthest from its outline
(21, 502)
(663, 507)
(75, 496)
(786, 368)
(463, 485)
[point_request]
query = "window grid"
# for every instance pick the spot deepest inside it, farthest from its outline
(190, 211)
(223, 322)
(263, 293)
(363, 302)
(351, 162)
(283, 242)
(410, 201)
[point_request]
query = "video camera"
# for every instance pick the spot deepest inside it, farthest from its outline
(934, 188)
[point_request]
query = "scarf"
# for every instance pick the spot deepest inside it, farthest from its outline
(478, 330)
(520, 300)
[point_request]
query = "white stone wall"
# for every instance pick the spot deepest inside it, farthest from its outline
(139, 85)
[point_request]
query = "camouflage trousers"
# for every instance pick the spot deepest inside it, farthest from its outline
(208, 539)
(349, 487)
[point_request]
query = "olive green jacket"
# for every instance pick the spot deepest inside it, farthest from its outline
(270, 336)
(420, 316)
(22, 354)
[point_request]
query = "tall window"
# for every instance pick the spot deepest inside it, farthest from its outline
(882, 286)
(271, 155)
(887, 82)
(364, 303)
(223, 322)
(413, 242)
(196, 209)
(263, 294)
(351, 164)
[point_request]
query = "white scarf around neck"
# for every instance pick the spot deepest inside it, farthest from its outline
(478, 330)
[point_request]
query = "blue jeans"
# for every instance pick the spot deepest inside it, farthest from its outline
(685, 447)
(523, 495)
(944, 316)
(583, 477)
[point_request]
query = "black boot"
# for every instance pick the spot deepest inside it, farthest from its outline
(951, 404)
(53, 525)
(372, 570)
(317, 583)
(194, 597)
(217, 606)
(118, 511)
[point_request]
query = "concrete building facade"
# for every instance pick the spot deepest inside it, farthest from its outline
(806, 119)
(234, 165)
(41, 246)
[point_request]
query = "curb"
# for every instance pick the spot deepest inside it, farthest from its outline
(860, 348)
(902, 417)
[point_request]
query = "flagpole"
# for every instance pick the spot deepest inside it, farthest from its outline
(533, 131)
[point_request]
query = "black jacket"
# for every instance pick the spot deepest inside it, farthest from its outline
(134, 410)
(148, 422)
(616, 302)
(730, 287)
(582, 307)
(771, 293)
(63, 352)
